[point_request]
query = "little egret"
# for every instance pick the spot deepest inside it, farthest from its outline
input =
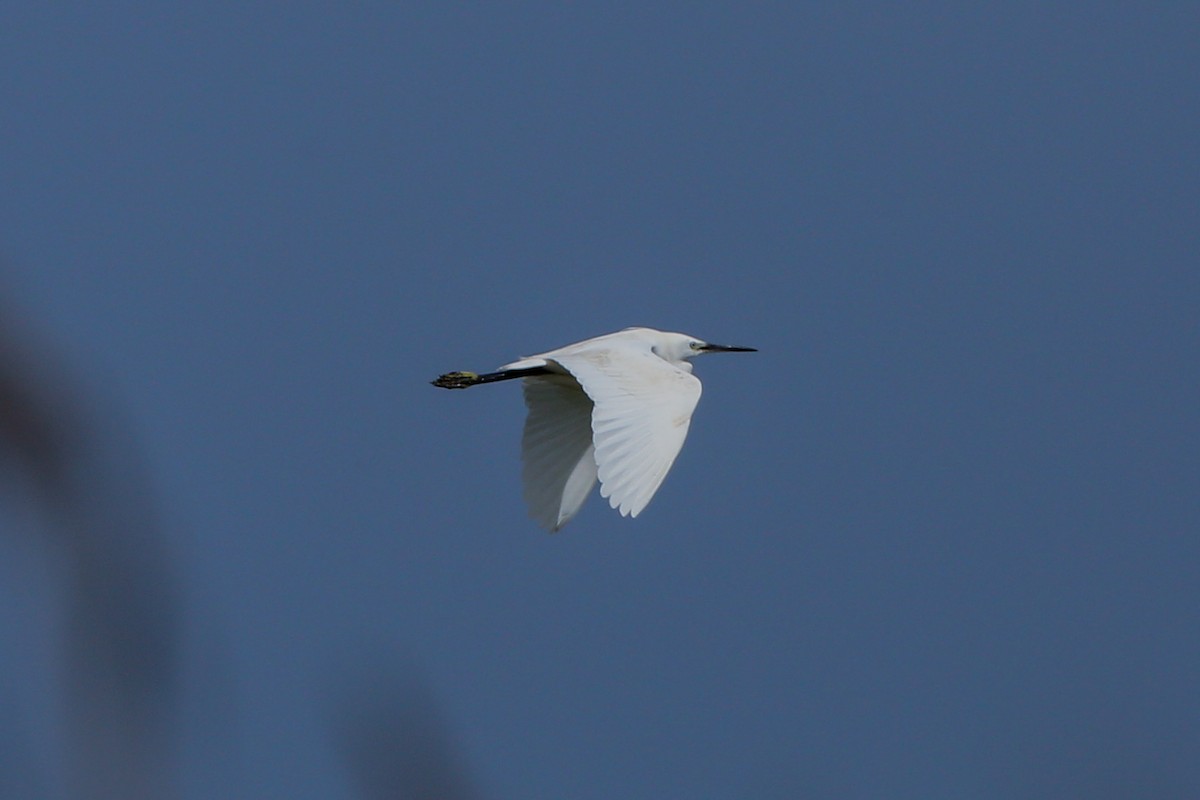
(616, 408)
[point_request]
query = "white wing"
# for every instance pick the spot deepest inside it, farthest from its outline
(643, 407)
(559, 462)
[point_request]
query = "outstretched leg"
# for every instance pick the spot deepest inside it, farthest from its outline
(461, 380)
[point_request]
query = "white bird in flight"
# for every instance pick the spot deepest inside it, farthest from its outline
(616, 407)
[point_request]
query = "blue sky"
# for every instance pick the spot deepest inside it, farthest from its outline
(937, 539)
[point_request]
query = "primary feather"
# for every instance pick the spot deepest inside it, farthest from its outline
(559, 462)
(642, 410)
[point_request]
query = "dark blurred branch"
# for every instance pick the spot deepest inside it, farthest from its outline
(33, 436)
(121, 637)
(393, 740)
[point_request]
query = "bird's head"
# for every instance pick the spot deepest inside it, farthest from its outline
(678, 347)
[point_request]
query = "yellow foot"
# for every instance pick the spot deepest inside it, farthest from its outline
(456, 380)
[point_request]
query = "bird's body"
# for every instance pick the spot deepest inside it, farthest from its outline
(614, 408)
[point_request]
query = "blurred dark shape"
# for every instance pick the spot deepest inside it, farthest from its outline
(395, 744)
(121, 651)
(120, 659)
(33, 434)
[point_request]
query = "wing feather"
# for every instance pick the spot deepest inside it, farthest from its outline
(559, 463)
(643, 408)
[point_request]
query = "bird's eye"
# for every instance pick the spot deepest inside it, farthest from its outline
(694, 345)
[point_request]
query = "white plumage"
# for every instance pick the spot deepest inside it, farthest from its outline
(615, 408)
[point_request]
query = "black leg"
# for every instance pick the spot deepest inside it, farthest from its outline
(462, 380)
